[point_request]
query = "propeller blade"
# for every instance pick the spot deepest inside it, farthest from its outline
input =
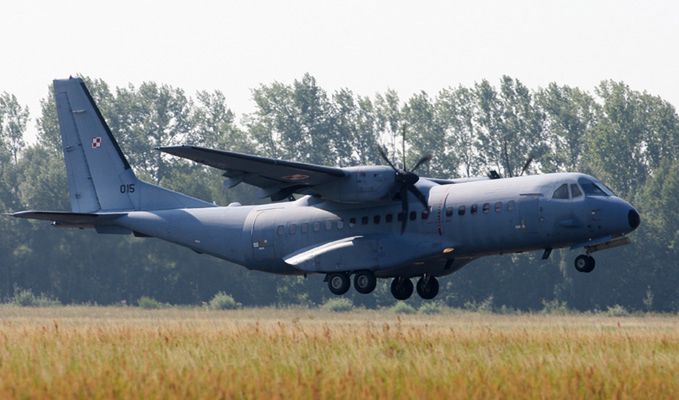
(494, 175)
(403, 144)
(425, 159)
(385, 158)
(526, 165)
(404, 208)
(414, 190)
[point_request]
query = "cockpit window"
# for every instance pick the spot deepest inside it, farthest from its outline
(590, 188)
(561, 192)
(575, 191)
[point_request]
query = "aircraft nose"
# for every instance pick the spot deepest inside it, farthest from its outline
(633, 219)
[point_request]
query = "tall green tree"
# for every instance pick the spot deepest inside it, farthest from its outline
(511, 125)
(456, 112)
(570, 115)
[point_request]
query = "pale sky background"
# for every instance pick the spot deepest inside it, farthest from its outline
(367, 46)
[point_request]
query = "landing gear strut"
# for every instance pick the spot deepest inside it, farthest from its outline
(365, 282)
(428, 287)
(401, 288)
(584, 263)
(339, 283)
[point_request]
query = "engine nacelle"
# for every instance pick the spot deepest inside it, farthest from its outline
(361, 185)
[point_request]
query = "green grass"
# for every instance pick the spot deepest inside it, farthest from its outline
(128, 352)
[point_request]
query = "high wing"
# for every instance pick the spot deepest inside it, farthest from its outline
(278, 178)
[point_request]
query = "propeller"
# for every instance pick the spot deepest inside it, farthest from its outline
(526, 165)
(493, 174)
(406, 183)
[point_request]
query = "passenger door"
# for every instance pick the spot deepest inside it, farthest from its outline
(263, 235)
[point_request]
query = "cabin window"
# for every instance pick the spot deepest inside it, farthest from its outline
(461, 210)
(425, 214)
(364, 220)
(413, 215)
(474, 209)
(280, 230)
(449, 211)
(388, 218)
(317, 226)
(510, 205)
(376, 219)
(293, 229)
(305, 227)
(575, 191)
(352, 222)
(561, 193)
(340, 225)
(486, 208)
(590, 188)
(498, 207)
(328, 225)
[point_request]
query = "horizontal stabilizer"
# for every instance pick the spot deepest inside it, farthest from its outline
(68, 218)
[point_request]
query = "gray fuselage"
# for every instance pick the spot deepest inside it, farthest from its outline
(464, 222)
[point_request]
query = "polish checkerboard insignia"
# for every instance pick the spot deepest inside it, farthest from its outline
(296, 177)
(96, 142)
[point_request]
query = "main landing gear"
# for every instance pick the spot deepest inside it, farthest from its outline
(584, 263)
(365, 282)
(401, 288)
(339, 282)
(427, 287)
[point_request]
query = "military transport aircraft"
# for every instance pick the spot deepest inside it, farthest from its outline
(368, 222)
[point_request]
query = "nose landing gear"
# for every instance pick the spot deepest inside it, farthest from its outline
(584, 263)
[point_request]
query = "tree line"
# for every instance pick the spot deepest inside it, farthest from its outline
(625, 137)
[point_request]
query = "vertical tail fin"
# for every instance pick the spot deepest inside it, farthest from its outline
(99, 176)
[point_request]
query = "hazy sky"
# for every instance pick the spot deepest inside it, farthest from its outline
(367, 46)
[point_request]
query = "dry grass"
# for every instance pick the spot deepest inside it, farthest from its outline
(89, 352)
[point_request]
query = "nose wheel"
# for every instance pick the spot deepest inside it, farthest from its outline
(584, 263)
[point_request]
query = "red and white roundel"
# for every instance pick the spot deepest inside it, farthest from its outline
(96, 142)
(296, 177)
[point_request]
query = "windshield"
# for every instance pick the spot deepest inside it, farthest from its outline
(592, 189)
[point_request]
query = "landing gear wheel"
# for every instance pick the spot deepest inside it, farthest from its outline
(401, 288)
(428, 287)
(365, 282)
(338, 283)
(584, 263)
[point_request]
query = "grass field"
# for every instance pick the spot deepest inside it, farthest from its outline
(103, 352)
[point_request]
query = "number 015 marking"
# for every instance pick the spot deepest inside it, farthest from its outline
(129, 188)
